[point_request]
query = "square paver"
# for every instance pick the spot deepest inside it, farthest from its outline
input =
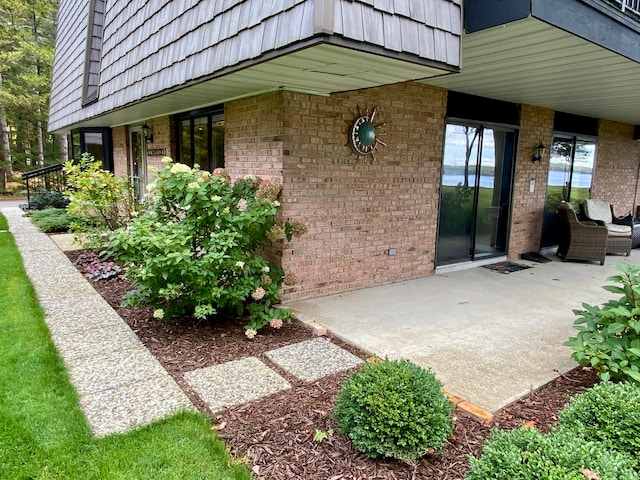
(313, 359)
(235, 382)
(131, 406)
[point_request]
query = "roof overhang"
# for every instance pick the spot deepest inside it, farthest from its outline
(536, 62)
(318, 69)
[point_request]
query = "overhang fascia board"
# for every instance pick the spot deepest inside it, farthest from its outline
(593, 20)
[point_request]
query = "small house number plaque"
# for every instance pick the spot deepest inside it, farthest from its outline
(156, 152)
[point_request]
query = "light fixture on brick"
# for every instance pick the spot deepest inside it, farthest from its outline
(538, 153)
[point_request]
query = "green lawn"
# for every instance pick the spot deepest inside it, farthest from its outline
(43, 434)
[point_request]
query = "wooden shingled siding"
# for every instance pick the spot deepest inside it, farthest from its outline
(427, 28)
(150, 45)
(68, 64)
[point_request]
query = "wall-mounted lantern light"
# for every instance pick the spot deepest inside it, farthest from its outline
(147, 133)
(538, 153)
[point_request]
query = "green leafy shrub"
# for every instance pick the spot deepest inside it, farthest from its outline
(608, 337)
(608, 413)
(44, 199)
(527, 454)
(394, 409)
(52, 220)
(194, 249)
(100, 201)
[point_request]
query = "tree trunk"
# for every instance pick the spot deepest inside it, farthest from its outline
(6, 168)
(40, 143)
(64, 148)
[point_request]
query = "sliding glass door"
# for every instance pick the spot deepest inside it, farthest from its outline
(571, 169)
(475, 192)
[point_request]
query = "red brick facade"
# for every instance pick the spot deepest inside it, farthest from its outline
(616, 175)
(527, 208)
(357, 208)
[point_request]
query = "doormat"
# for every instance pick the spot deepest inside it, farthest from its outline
(535, 257)
(506, 267)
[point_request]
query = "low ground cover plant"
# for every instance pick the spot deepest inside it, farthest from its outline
(608, 337)
(196, 247)
(52, 220)
(395, 409)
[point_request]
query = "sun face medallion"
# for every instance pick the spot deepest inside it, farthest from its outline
(362, 134)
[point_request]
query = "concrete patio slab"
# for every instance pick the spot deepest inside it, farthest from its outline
(489, 337)
(235, 382)
(313, 359)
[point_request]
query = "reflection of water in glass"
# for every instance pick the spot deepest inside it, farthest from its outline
(556, 178)
(453, 180)
(579, 180)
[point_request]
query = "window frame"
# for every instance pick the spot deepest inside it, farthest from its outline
(93, 52)
(213, 115)
(78, 148)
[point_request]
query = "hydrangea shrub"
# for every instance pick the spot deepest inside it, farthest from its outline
(195, 249)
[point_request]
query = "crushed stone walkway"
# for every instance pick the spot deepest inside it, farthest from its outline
(120, 383)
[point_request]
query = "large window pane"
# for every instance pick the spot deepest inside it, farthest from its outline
(201, 139)
(217, 144)
(185, 142)
(201, 142)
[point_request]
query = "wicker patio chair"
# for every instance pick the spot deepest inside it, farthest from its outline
(581, 240)
(620, 232)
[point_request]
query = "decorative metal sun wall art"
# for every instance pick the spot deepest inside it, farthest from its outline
(363, 137)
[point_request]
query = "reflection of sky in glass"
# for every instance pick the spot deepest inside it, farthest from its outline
(456, 146)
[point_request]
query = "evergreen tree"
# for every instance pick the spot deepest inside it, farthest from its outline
(27, 36)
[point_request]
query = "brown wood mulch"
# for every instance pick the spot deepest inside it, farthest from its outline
(276, 434)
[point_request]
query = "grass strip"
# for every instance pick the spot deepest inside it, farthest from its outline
(43, 433)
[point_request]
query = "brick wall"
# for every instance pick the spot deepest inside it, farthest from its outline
(120, 138)
(163, 137)
(616, 175)
(253, 131)
(527, 213)
(357, 208)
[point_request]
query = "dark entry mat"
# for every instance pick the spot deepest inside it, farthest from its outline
(535, 257)
(506, 267)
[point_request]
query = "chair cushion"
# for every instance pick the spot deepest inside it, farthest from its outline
(598, 210)
(615, 230)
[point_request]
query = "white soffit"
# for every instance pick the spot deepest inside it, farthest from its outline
(531, 62)
(319, 70)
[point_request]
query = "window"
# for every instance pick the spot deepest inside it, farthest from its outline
(94, 52)
(96, 141)
(201, 138)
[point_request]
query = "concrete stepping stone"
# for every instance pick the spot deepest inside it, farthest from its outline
(235, 382)
(130, 406)
(313, 359)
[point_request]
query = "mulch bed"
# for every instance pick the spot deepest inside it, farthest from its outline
(276, 434)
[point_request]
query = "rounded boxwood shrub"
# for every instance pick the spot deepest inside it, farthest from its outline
(394, 409)
(608, 413)
(527, 454)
